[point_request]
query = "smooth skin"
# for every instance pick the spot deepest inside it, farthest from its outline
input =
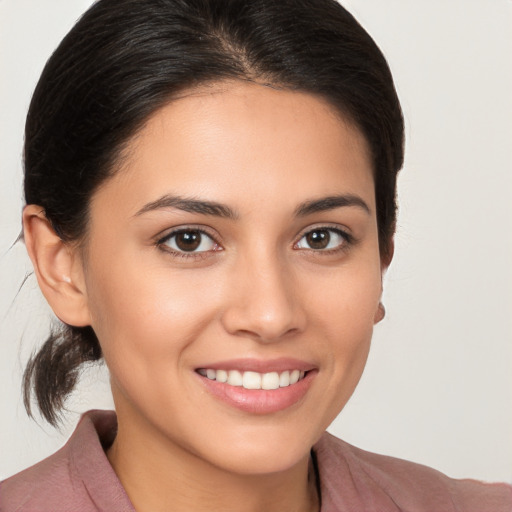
(256, 285)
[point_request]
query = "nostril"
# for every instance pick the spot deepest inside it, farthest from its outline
(266, 311)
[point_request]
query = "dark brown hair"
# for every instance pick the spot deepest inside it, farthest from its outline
(125, 59)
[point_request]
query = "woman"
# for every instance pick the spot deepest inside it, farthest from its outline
(210, 196)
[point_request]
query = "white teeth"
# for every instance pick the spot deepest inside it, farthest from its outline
(294, 376)
(254, 380)
(222, 375)
(284, 379)
(251, 380)
(234, 378)
(270, 380)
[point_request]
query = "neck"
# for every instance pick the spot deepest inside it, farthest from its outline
(159, 475)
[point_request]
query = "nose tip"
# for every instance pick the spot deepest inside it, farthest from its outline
(265, 308)
(266, 328)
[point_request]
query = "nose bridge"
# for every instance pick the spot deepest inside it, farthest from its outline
(264, 304)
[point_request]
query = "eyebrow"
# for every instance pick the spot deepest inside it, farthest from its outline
(330, 203)
(221, 210)
(189, 205)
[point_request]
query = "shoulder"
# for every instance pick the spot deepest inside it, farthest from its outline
(38, 484)
(78, 477)
(352, 478)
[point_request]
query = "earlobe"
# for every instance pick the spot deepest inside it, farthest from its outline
(58, 268)
(386, 258)
(380, 313)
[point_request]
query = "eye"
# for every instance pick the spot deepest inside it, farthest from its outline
(189, 241)
(323, 239)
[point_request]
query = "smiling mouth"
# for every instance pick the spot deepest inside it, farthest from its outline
(254, 380)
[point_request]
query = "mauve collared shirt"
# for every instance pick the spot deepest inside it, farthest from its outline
(79, 478)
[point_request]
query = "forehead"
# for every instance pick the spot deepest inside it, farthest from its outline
(226, 139)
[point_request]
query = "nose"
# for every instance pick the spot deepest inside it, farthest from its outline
(265, 303)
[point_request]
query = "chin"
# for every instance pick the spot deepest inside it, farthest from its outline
(263, 462)
(263, 452)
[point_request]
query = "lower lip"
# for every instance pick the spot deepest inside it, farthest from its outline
(260, 401)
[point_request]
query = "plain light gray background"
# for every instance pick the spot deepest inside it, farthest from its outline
(438, 385)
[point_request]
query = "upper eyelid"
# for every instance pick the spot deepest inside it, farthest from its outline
(334, 227)
(166, 234)
(161, 243)
(349, 240)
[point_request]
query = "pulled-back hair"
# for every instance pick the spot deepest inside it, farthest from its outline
(124, 59)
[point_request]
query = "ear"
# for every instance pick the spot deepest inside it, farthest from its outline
(58, 268)
(386, 258)
(379, 314)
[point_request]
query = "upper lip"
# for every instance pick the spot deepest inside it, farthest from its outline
(260, 365)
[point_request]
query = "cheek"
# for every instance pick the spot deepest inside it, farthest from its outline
(146, 325)
(148, 315)
(344, 317)
(345, 300)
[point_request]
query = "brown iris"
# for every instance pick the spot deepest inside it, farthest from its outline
(188, 240)
(318, 239)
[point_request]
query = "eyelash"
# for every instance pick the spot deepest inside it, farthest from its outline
(347, 242)
(161, 243)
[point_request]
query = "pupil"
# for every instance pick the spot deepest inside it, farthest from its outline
(188, 241)
(318, 239)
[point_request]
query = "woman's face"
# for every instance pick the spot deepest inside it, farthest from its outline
(237, 241)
